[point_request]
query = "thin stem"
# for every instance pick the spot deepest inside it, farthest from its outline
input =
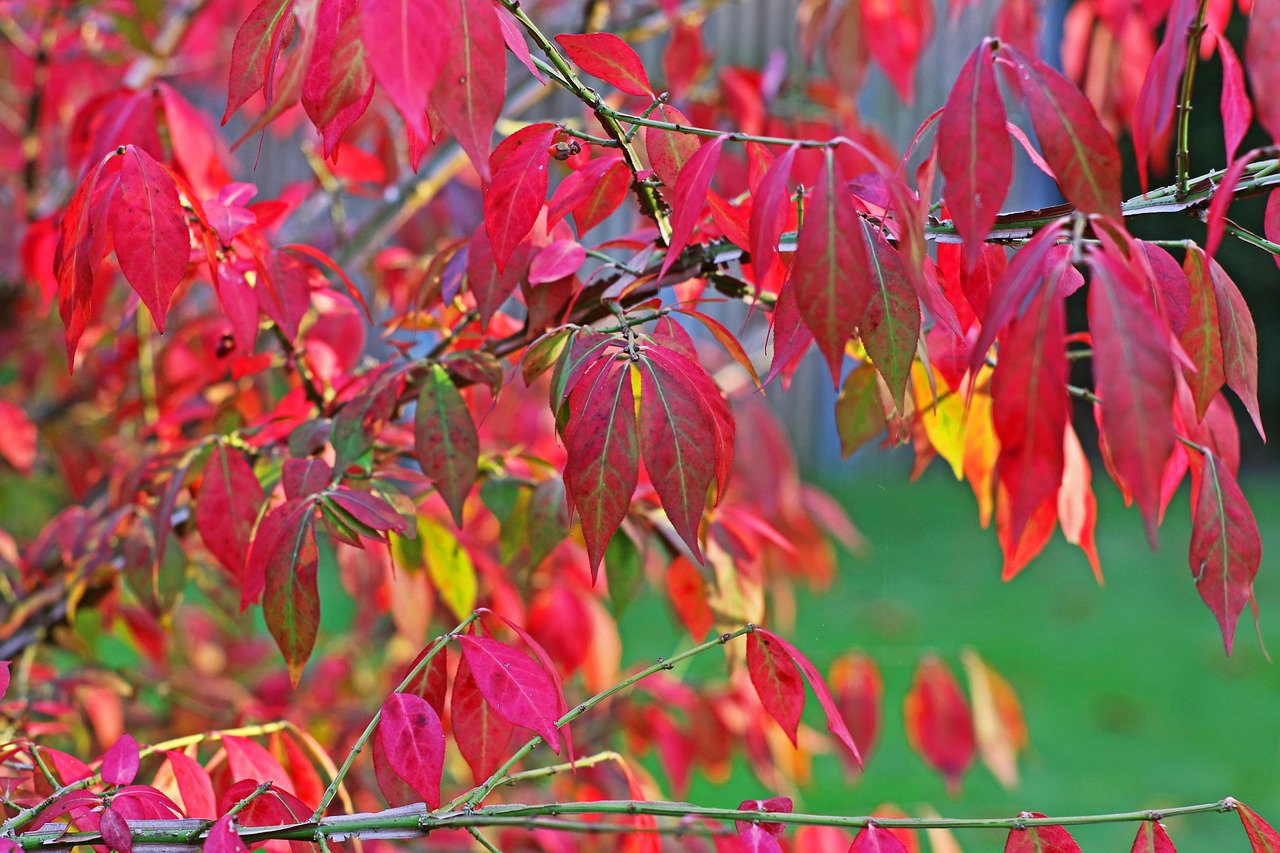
(1247, 236)
(482, 841)
(478, 794)
(553, 769)
(649, 199)
(1183, 157)
(440, 643)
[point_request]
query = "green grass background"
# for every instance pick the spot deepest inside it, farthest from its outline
(1130, 700)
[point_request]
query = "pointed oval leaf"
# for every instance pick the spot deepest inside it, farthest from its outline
(690, 198)
(472, 85)
(413, 742)
(1226, 550)
(1201, 338)
(974, 151)
(483, 736)
(445, 440)
(777, 682)
(608, 57)
(406, 42)
(666, 149)
(602, 446)
(829, 272)
(519, 188)
(150, 232)
(1237, 109)
(835, 723)
(859, 691)
(120, 762)
(876, 839)
(770, 205)
(890, 329)
(194, 785)
(1133, 374)
(1239, 342)
(1260, 60)
(227, 507)
(1081, 152)
(1152, 838)
(287, 563)
(223, 838)
(938, 721)
(515, 686)
(115, 830)
(255, 51)
(1262, 837)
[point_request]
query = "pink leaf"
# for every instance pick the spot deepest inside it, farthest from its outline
(556, 260)
(1260, 60)
(413, 742)
(115, 831)
(406, 42)
(876, 839)
(17, 437)
(770, 204)
(1239, 342)
(608, 57)
(223, 838)
(515, 686)
(120, 762)
(473, 81)
(227, 507)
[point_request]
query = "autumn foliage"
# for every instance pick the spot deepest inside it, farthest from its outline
(461, 374)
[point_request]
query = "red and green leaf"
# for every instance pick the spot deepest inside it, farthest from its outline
(777, 682)
(1226, 549)
(608, 57)
(445, 440)
(472, 85)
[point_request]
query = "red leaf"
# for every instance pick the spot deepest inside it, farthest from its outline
(1239, 342)
(515, 685)
(770, 205)
(1262, 838)
(690, 197)
(514, 199)
(1225, 547)
(603, 452)
(859, 691)
(1077, 147)
(608, 57)
(490, 286)
(777, 805)
(1201, 338)
(338, 85)
(895, 33)
(1223, 195)
(406, 42)
(668, 150)
(283, 290)
(413, 742)
(223, 838)
(227, 507)
(753, 838)
(149, 231)
(445, 440)
(829, 272)
(115, 831)
(726, 339)
(482, 735)
(285, 564)
(1133, 373)
(777, 682)
(4, 677)
(255, 51)
(835, 724)
(194, 785)
(1237, 109)
(687, 590)
(320, 260)
(1009, 294)
(557, 259)
(120, 762)
(1040, 839)
(1152, 838)
(1030, 408)
(77, 256)
(938, 722)
(712, 402)
(1260, 60)
(974, 151)
(17, 437)
(250, 761)
(606, 195)
(514, 37)
(876, 839)
(890, 330)
(473, 81)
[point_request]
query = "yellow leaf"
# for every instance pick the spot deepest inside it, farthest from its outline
(449, 566)
(998, 724)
